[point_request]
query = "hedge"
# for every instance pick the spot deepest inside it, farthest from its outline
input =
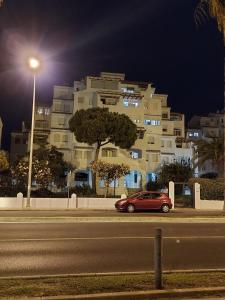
(210, 189)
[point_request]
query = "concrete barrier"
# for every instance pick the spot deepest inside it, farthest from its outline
(58, 203)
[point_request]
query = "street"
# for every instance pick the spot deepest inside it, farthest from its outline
(50, 249)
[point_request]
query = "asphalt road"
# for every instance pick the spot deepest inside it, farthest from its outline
(179, 212)
(47, 249)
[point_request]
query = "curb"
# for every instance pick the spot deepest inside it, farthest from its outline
(105, 274)
(173, 293)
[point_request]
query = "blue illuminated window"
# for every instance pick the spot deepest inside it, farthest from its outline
(152, 122)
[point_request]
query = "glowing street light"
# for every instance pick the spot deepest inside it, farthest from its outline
(34, 65)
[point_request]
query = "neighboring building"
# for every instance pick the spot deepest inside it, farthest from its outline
(61, 112)
(20, 141)
(149, 111)
(206, 128)
(1, 125)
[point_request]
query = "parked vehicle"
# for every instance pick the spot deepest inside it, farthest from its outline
(145, 201)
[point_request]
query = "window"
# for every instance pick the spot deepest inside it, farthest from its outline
(165, 116)
(46, 111)
(40, 110)
(137, 121)
(109, 152)
(196, 134)
(177, 132)
(87, 155)
(56, 137)
(151, 140)
(109, 101)
(131, 102)
(140, 134)
(151, 122)
(80, 176)
(58, 107)
(65, 138)
(136, 153)
(164, 129)
(67, 108)
(128, 90)
(61, 121)
(78, 154)
(135, 177)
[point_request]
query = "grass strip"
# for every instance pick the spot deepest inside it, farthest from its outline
(55, 286)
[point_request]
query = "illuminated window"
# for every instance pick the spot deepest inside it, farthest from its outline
(135, 153)
(196, 134)
(128, 90)
(152, 122)
(131, 102)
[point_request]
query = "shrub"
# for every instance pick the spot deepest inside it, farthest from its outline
(211, 189)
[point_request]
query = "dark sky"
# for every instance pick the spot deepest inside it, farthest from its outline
(148, 40)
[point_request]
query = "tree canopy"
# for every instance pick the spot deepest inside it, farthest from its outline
(4, 164)
(175, 172)
(48, 165)
(110, 172)
(215, 8)
(210, 150)
(98, 125)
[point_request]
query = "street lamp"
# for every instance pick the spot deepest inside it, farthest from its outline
(34, 65)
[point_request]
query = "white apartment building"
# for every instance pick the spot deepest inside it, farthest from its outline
(148, 110)
(206, 128)
(1, 125)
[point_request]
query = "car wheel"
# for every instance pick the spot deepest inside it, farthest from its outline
(165, 208)
(130, 208)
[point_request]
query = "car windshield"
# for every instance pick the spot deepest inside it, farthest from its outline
(134, 195)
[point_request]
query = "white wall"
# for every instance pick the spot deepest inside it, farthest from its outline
(205, 204)
(58, 203)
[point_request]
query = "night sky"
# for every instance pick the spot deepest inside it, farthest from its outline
(148, 40)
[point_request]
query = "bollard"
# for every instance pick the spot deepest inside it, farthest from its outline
(158, 258)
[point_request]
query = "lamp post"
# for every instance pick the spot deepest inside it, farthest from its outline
(34, 65)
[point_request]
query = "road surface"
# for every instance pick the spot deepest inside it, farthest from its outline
(47, 249)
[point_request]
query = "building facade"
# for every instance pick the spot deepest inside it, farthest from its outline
(161, 132)
(206, 128)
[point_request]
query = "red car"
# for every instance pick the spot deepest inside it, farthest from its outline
(145, 201)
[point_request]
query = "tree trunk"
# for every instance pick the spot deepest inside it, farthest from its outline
(93, 172)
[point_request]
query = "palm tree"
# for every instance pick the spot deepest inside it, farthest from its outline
(210, 151)
(214, 8)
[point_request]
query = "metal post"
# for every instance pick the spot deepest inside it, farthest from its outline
(31, 149)
(158, 258)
